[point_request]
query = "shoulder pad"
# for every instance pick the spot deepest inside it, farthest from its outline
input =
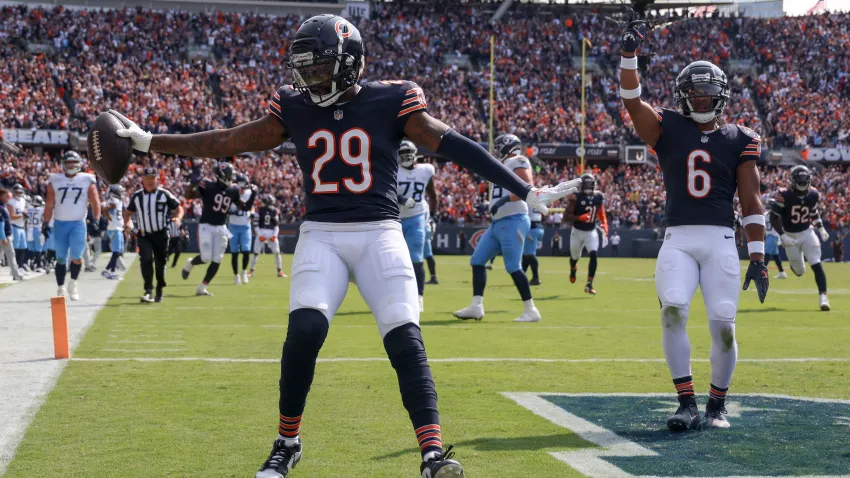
(749, 132)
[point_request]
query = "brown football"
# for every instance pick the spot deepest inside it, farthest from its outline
(109, 154)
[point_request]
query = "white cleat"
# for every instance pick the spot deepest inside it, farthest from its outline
(61, 291)
(187, 268)
(421, 304)
(474, 312)
(532, 315)
(824, 303)
(236, 280)
(72, 290)
(244, 277)
(781, 275)
(202, 290)
(716, 419)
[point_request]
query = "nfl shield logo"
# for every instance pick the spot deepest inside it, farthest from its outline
(338, 115)
(704, 139)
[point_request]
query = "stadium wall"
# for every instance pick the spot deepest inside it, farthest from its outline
(244, 6)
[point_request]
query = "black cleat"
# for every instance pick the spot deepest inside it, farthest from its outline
(157, 299)
(442, 466)
(589, 289)
(572, 276)
(433, 280)
(715, 412)
(534, 281)
(281, 460)
(686, 417)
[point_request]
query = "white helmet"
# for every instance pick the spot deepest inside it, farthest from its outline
(407, 153)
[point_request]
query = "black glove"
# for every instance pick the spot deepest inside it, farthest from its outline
(758, 272)
(45, 229)
(494, 208)
(633, 34)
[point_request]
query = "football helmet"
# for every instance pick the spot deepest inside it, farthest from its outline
(116, 191)
(38, 201)
(224, 173)
(801, 180)
(407, 154)
(72, 163)
(268, 200)
(702, 91)
(326, 58)
(242, 180)
(588, 183)
(506, 145)
(18, 190)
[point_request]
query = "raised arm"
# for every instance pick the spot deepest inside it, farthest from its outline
(259, 135)
(644, 117)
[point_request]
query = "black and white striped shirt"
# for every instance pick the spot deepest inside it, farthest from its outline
(152, 209)
(173, 230)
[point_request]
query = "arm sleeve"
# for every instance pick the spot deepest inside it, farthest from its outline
(470, 155)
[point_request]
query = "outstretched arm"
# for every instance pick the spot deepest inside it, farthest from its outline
(646, 120)
(435, 135)
(260, 135)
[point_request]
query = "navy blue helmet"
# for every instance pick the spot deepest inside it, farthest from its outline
(702, 91)
(801, 180)
(224, 173)
(506, 145)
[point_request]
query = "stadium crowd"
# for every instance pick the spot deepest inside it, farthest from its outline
(184, 72)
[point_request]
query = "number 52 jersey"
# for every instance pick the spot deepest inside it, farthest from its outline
(700, 169)
(348, 153)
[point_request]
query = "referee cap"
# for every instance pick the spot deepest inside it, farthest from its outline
(150, 171)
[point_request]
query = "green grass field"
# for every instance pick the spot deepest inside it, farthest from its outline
(217, 419)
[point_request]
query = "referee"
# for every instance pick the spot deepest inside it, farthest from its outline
(150, 206)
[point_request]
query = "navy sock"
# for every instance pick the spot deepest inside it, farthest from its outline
(196, 261)
(305, 335)
(778, 263)
(432, 266)
(532, 261)
(591, 267)
(211, 272)
(521, 282)
(820, 277)
(419, 272)
(113, 262)
(246, 259)
(524, 264)
(75, 269)
(61, 269)
(479, 280)
(234, 261)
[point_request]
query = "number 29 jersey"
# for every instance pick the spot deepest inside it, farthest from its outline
(700, 169)
(71, 195)
(348, 153)
(217, 199)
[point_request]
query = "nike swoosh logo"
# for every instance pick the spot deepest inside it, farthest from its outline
(728, 237)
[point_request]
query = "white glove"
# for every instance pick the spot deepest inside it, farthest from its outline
(539, 198)
(141, 139)
(787, 241)
(410, 203)
(824, 235)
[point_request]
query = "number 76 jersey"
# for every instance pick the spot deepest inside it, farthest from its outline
(700, 169)
(348, 153)
(71, 195)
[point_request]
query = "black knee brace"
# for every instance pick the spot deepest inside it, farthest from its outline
(305, 336)
(406, 351)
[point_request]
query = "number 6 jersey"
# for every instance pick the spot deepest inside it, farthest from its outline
(348, 153)
(71, 195)
(700, 169)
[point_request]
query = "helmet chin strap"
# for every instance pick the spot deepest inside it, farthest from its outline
(703, 117)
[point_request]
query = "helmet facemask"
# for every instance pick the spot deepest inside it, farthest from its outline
(324, 78)
(702, 96)
(801, 181)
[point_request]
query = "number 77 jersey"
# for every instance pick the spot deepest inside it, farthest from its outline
(71, 195)
(348, 153)
(700, 169)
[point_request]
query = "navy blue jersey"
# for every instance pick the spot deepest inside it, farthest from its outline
(700, 169)
(797, 212)
(216, 199)
(348, 153)
(268, 218)
(587, 204)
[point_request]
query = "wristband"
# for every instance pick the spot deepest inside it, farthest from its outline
(629, 63)
(630, 94)
(755, 247)
(754, 219)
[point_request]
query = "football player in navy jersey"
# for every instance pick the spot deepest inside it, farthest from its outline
(217, 197)
(347, 135)
(267, 221)
(584, 209)
(796, 218)
(704, 162)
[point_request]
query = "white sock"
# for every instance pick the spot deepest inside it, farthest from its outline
(254, 261)
(724, 352)
(430, 455)
(477, 300)
(278, 262)
(675, 342)
(288, 441)
(528, 304)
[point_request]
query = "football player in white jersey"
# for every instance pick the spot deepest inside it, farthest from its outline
(114, 210)
(35, 241)
(68, 196)
(506, 233)
(414, 182)
(239, 225)
(771, 241)
(17, 207)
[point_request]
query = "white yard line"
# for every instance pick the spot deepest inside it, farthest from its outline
(442, 360)
(27, 369)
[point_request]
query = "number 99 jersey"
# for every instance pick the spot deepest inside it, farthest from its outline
(217, 199)
(348, 153)
(71, 195)
(700, 169)
(797, 212)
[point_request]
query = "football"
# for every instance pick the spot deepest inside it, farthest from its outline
(109, 154)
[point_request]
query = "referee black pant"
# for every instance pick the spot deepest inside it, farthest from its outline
(153, 255)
